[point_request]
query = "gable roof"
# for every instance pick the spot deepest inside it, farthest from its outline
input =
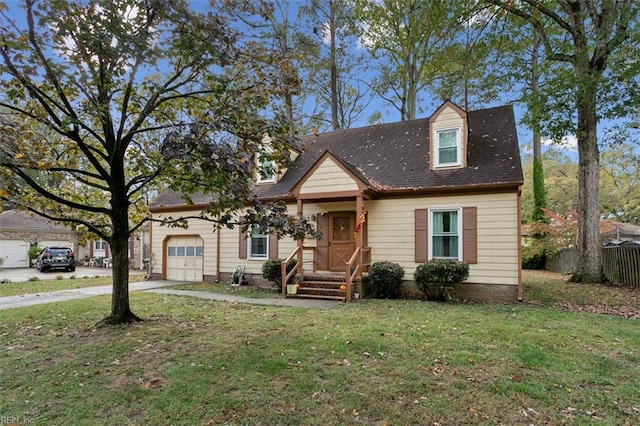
(394, 157)
(19, 220)
(350, 172)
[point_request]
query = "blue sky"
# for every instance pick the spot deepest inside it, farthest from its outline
(390, 114)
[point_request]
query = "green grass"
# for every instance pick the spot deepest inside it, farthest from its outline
(373, 362)
(57, 284)
(550, 288)
(226, 288)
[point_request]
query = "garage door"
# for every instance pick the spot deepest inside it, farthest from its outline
(56, 243)
(14, 253)
(184, 258)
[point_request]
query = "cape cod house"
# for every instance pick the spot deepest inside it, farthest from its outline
(447, 186)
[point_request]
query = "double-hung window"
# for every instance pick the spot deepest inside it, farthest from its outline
(448, 150)
(258, 243)
(445, 234)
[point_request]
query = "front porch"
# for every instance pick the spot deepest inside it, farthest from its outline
(331, 268)
(329, 285)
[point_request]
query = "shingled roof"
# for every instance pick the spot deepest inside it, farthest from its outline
(18, 220)
(395, 157)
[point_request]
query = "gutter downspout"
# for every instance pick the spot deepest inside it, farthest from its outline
(519, 242)
(218, 251)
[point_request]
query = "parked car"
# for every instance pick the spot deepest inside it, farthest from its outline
(56, 258)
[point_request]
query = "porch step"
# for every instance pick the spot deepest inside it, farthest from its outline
(316, 296)
(332, 277)
(321, 289)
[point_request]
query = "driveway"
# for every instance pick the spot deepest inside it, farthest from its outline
(24, 274)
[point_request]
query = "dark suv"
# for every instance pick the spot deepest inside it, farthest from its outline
(56, 258)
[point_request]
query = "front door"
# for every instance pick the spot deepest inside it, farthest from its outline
(341, 242)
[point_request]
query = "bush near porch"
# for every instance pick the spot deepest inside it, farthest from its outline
(434, 278)
(385, 280)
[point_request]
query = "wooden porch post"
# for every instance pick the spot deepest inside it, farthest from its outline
(300, 211)
(360, 236)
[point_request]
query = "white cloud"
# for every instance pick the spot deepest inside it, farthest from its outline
(69, 46)
(567, 143)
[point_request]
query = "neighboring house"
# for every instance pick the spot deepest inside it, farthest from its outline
(20, 230)
(446, 187)
(564, 228)
(621, 233)
(138, 248)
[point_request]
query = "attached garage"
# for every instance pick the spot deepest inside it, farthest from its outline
(184, 258)
(15, 253)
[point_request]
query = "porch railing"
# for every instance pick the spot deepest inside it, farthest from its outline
(360, 262)
(298, 269)
(354, 267)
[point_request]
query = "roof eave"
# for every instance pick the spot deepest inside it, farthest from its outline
(453, 190)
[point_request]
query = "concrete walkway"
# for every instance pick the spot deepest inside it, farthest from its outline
(154, 287)
(297, 303)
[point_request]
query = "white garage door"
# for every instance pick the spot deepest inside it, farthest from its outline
(56, 243)
(184, 258)
(14, 253)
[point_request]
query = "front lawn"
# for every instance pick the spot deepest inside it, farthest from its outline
(373, 362)
(226, 288)
(36, 285)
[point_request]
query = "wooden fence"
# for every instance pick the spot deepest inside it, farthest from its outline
(621, 264)
(564, 261)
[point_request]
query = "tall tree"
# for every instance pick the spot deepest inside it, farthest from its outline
(269, 23)
(108, 97)
(560, 181)
(406, 38)
(327, 44)
(539, 196)
(474, 61)
(583, 37)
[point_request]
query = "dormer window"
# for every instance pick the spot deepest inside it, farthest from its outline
(266, 170)
(448, 137)
(448, 149)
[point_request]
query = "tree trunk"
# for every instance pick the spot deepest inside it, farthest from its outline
(411, 95)
(334, 66)
(119, 245)
(539, 197)
(589, 268)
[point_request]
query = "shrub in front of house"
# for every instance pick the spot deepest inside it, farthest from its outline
(272, 271)
(34, 251)
(385, 280)
(436, 276)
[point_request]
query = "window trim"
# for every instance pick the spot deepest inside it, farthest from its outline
(250, 254)
(436, 154)
(430, 243)
(102, 243)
